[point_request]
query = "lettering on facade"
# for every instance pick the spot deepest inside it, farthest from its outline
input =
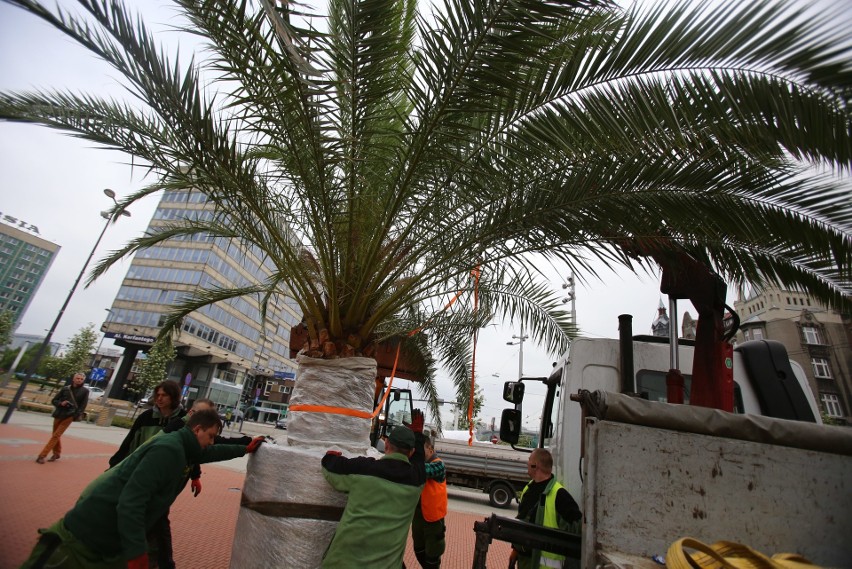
(130, 338)
(26, 226)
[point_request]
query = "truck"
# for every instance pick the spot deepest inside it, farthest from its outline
(497, 470)
(647, 472)
(751, 464)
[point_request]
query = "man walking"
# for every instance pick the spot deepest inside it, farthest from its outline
(107, 526)
(70, 404)
(545, 502)
(382, 496)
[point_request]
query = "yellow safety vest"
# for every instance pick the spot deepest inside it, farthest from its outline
(548, 518)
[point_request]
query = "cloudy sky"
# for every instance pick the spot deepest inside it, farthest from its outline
(56, 182)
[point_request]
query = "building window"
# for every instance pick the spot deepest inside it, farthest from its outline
(821, 368)
(267, 388)
(812, 335)
(831, 404)
(284, 389)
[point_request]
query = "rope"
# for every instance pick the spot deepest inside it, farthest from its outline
(728, 555)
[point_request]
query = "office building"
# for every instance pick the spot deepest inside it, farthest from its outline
(24, 261)
(817, 338)
(222, 348)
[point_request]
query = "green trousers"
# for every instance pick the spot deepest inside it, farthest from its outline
(58, 548)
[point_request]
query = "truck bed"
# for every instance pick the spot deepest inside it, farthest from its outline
(647, 486)
(491, 461)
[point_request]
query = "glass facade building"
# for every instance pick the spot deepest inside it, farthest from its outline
(220, 345)
(24, 261)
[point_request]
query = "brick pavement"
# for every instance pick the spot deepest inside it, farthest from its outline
(34, 495)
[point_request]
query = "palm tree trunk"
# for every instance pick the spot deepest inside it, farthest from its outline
(289, 512)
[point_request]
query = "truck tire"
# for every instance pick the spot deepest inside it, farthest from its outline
(500, 495)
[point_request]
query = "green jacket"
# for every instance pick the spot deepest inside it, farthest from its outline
(382, 495)
(116, 511)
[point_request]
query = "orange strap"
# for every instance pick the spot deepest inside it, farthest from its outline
(475, 272)
(345, 410)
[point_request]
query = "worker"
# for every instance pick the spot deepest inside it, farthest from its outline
(544, 502)
(382, 495)
(427, 527)
(149, 423)
(107, 526)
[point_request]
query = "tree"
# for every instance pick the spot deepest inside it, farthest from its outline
(154, 368)
(384, 160)
(7, 325)
(76, 358)
(478, 401)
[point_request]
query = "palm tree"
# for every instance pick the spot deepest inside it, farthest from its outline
(384, 159)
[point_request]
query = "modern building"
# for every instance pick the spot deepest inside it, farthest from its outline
(222, 348)
(817, 338)
(24, 261)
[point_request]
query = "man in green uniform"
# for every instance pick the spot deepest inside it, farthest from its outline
(107, 526)
(382, 495)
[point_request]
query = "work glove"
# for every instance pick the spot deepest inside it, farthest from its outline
(254, 444)
(417, 419)
(334, 452)
(140, 562)
(196, 486)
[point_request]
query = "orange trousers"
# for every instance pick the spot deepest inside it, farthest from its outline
(54, 444)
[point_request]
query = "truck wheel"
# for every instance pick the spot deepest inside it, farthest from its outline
(500, 495)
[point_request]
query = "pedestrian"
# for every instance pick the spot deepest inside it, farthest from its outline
(107, 526)
(228, 416)
(544, 502)
(150, 422)
(240, 414)
(427, 527)
(70, 405)
(382, 494)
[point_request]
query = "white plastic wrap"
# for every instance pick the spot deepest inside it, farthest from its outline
(346, 382)
(290, 479)
(283, 521)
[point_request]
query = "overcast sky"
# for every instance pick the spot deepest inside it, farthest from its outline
(56, 182)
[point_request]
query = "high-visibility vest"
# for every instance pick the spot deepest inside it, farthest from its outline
(548, 518)
(433, 500)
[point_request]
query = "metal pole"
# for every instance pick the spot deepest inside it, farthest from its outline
(37, 359)
(11, 372)
(521, 353)
(573, 300)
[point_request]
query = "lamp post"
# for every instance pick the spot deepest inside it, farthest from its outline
(520, 343)
(571, 296)
(110, 218)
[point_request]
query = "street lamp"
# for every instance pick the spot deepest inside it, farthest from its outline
(571, 296)
(111, 217)
(520, 343)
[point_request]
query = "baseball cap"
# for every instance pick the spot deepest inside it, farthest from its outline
(402, 438)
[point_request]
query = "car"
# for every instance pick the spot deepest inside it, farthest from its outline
(95, 393)
(144, 402)
(281, 423)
